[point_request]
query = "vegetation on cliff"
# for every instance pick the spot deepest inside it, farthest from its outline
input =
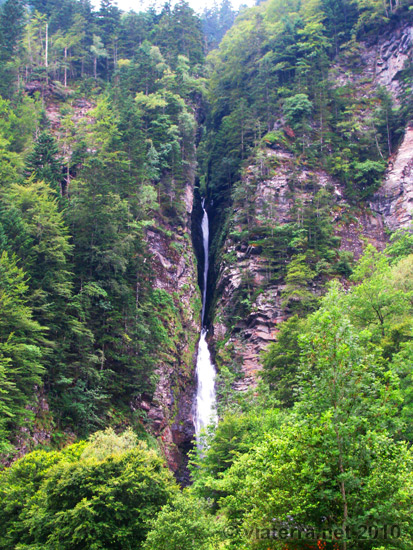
(324, 444)
(97, 145)
(101, 113)
(288, 96)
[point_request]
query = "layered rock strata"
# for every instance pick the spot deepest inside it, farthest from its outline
(170, 411)
(382, 62)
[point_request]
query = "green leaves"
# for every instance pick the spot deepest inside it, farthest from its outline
(281, 362)
(42, 164)
(101, 494)
(296, 294)
(184, 524)
(79, 233)
(339, 456)
(21, 366)
(377, 301)
(297, 108)
(368, 175)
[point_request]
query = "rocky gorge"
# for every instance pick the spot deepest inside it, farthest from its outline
(245, 294)
(170, 413)
(273, 200)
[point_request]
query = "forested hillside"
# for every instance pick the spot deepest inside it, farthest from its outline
(292, 121)
(98, 156)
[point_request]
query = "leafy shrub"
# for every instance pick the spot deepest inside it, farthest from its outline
(101, 494)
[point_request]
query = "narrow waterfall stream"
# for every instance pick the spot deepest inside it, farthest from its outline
(205, 370)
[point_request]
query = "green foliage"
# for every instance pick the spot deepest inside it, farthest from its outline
(179, 32)
(401, 363)
(21, 366)
(234, 437)
(11, 30)
(216, 21)
(377, 301)
(368, 176)
(283, 483)
(82, 42)
(185, 524)
(273, 75)
(35, 230)
(297, 294)
(107, 443)
(99, 494)
(374, 14)
(296, 109)
(100, 166)
(401, 245)
(336, 458)
(42, 163)
(281, 361)
(275, 138)
(17, 124)
(325, 439)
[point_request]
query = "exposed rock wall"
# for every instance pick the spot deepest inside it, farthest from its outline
(385, 61)
(394, 200)
(381, 64)
(381, 60)
(387, 58)
(274, 202)
(170, 411)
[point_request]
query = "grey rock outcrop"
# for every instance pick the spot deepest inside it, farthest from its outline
(381, 61)
(274, 200)
(394, 200)
(170, 410)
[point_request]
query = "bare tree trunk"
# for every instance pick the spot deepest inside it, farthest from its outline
(65, 68)
(388, 132)
(378, 146)
(46, 53)
(67, 179)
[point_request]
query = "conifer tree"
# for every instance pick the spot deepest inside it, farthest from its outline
(43, 164)
(11, 29)
(21, 366)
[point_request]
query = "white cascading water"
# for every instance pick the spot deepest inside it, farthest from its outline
(205, 398)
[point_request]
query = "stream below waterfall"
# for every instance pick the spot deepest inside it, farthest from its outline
(205, 413)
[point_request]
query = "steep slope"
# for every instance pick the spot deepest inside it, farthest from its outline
(167, 413)
(264, 270)
(248, 272)
(170, 411)
(99, 143)
(394, 199)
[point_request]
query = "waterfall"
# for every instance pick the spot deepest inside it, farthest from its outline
(205, 240)
(205, 370)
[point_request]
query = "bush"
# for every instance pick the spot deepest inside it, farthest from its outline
(98, 495)
(183, 525)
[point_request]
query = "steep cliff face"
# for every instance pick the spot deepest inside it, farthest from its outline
(170, 411)
(275, 201)
(380, 59)
(394, 200)
(167, 414)
(386, 59)
(384, 64)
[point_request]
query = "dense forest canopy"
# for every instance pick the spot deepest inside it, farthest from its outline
(272, 68)
(75, 200)
(105, 118)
